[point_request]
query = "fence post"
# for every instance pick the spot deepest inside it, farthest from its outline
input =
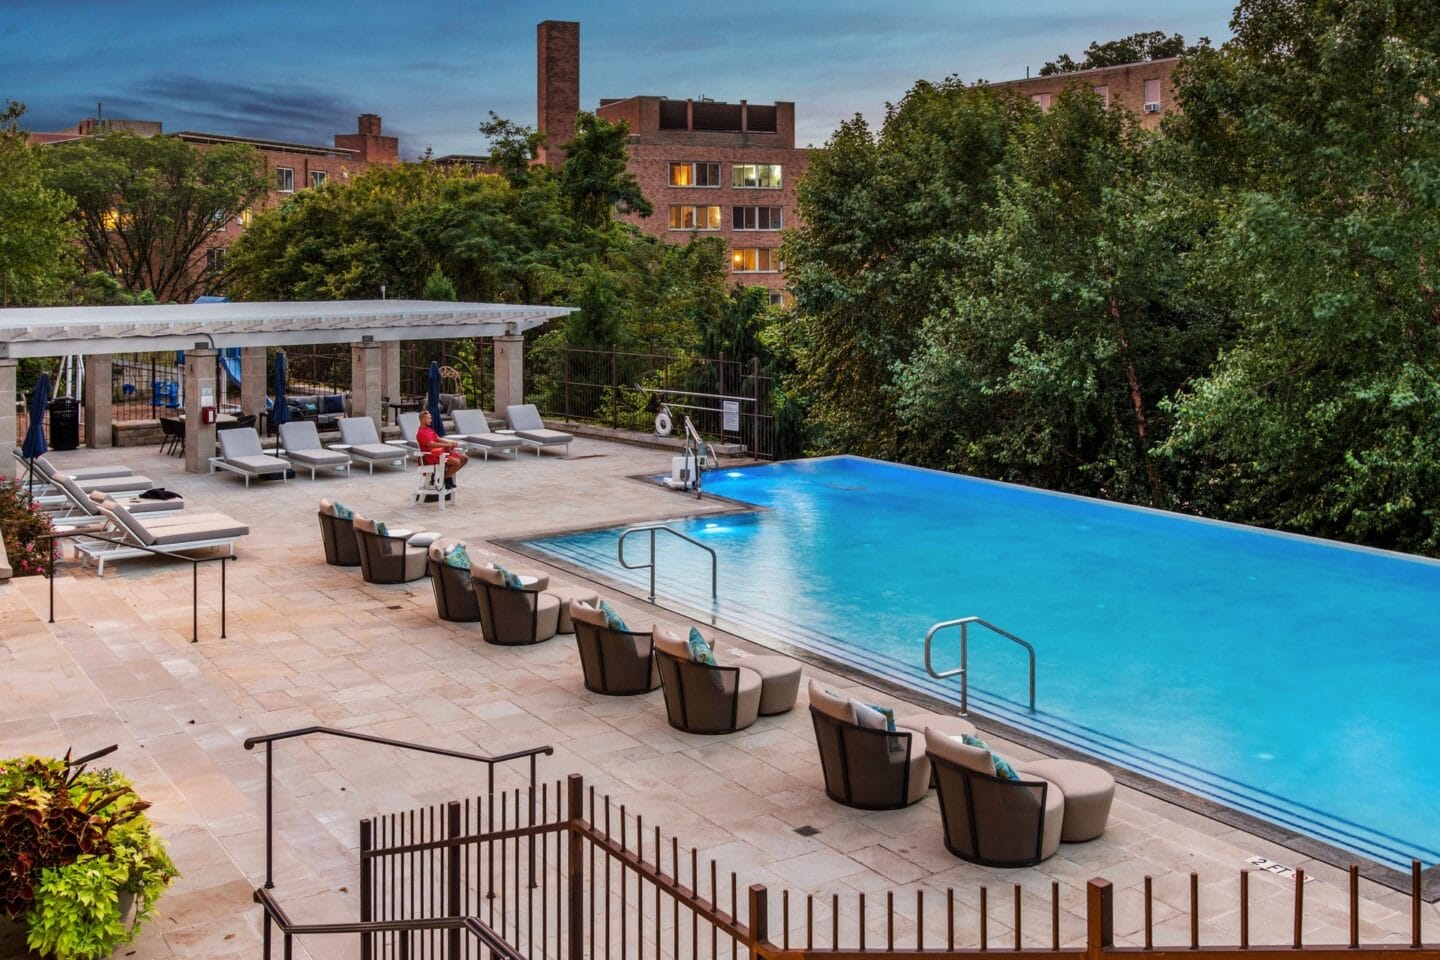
(565, 375)
(454, 906)
(1099, 918)
(759, 940)
(367, 893)
(614, 391)
(575, 812)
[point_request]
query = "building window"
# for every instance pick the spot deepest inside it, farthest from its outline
(694, 174)
(757, 218)
(1103, 92)
(220, 219)
(755, 260)
(1041, 100)
(1152, 96)
(694, 218)
(215, 259)
(777, 298)
(285, 179)
(317, 177)
(755, 176)
(244, 219)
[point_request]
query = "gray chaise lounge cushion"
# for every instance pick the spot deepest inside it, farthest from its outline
(471, 426)
(364, 441)
(301, 442)
(240, 448)
(176, 528)
(525, 421)
(43, 464)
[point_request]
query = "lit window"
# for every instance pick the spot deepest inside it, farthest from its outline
(694, 174)
(756, 176)
(755, 260)
(1103, 92)
(245, 218)
(757, 218)
(1152, 96)
(215, 259)
(285, 179)
(113, 219)
(1041, 100)
(317, 177)
(694, 218)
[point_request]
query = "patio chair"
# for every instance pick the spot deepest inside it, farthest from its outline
(82, 508)
(987, 819)
(865, 767)
(473, 430)
(365, 446)
(409, 426)
(617, 663)
(455, 598)
(177, 532)
(514, 616)
(525, 421)
(337, 535)
(300, 444)
(172, 435)
(46, 468)
(240, 452)
(387, 558)
(704, 699)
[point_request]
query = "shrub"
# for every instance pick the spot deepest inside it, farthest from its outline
(23, 523)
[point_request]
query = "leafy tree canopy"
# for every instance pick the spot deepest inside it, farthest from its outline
(1152, 45)
(36, 249)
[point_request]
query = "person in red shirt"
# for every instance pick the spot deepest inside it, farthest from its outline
(431, 445)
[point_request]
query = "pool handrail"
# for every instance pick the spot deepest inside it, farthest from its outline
(653, 528)
(964, 672)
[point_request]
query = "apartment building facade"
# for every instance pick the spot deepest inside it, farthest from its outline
(1146, 88)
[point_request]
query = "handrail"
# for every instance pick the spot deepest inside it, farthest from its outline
(478, 928)
(269, 740)
(653, 528)
(194, 562)
(963, 672)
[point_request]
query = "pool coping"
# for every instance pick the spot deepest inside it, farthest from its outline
(1304, 844)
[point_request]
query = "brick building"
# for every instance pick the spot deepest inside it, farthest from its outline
(1147, 88)
(727, 170)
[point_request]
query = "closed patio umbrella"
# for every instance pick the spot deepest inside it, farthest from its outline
(280, 413)
(432, 401)
(34, 445)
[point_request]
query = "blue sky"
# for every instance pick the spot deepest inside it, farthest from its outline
(433, 68)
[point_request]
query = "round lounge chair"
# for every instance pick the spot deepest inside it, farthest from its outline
(617, 663)
(865, 767)
(337, 535)
(514, 616)
(454, 596)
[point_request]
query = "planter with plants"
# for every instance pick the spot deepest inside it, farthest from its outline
(23, 525)
(79, 863)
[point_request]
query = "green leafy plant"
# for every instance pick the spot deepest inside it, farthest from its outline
(76, 851)
(23, 524)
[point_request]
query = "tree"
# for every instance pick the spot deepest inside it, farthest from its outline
(594, 180)
(147, 206)
(1135, 48)
(438, 286)
(36, 240)
(513, 148)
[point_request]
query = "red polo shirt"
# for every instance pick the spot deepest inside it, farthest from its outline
(428, 442)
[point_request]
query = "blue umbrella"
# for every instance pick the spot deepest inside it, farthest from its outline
(432, 403)
(34, 445)
(280, 413)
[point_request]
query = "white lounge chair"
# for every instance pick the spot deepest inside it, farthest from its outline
(83, 508)
(174, 533)
(473, 430)
(45, 468)
(365, 446)
(525, 421)
(300, 444)
(240, 452)
(409, 424)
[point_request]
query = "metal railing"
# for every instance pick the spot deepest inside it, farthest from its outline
(654, 528)
(270, 738)
(128, 544)
(964, 671)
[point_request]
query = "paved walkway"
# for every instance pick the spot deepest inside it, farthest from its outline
(312, 644)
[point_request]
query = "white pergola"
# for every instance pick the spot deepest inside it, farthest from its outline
(373, 328)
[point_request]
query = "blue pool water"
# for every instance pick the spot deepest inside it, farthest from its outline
(1291, 678)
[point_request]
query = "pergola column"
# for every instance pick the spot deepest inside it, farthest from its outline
(199, 437)
(509, 372)
(390, 370)
(99, 392)
(9, 440)
(252, 380)
(365, 380)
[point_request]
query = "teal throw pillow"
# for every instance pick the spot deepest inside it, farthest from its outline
(700, 651)
(1003, 770)
(511, 580)
(342, 512)
(612, 619)
(887, 712)
(380, 529)
(457, 556)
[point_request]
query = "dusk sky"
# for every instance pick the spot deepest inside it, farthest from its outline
(433, 68)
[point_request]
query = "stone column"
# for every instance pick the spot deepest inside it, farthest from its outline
(365, 381)
(252, 380)
(99, 392)
(509, 372)
(390, 371)
(199, 437)
(9, 440)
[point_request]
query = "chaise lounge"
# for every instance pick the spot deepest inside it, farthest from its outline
(529, 428)
(365, 445)
(177, 532)
(240, 452)
(473, 430)
(300, 444)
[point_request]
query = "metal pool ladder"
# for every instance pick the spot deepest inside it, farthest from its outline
(652, 529)
(964, 673)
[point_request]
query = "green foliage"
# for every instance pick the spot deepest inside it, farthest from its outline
(36, 251)
(513, 148)
(1138, 47)
(594, 180)
(145, 207)
(438, 286)
(23, 524)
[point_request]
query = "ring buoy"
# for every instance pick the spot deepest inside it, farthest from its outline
(663, 424)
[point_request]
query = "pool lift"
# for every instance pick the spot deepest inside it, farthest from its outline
(687, 470)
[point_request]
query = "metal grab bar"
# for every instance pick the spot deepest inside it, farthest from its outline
(652, 528)
(963, 673)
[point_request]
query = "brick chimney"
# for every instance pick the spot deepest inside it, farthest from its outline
(557, 98)
(372, 147)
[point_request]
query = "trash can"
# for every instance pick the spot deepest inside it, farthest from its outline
(64, 423)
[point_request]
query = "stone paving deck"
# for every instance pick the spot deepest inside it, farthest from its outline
(312, 644)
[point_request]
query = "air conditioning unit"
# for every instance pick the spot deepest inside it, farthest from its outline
(1152, 107)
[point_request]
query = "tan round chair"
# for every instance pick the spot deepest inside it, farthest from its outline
(510, 616)
(700, 698)
(865, 767)
(617, 663)
(1089, 791)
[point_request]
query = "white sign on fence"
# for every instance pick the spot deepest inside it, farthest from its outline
(730, 412)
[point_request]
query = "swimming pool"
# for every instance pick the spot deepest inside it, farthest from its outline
(1291, 678)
